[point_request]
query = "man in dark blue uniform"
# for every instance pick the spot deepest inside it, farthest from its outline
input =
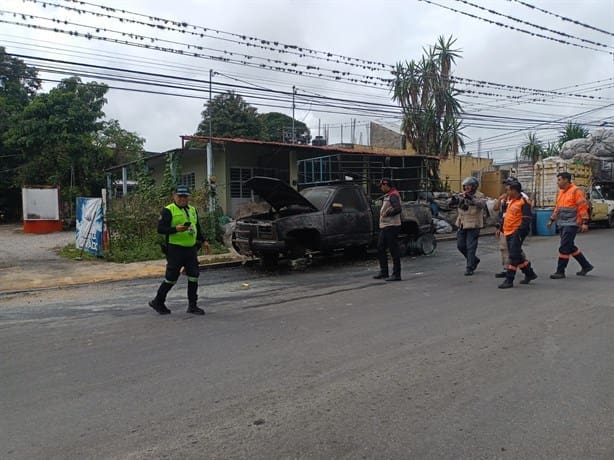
(184, 237)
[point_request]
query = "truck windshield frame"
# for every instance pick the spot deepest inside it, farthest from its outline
(318, 196)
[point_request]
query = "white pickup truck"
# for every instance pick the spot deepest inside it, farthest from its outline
(601, 203)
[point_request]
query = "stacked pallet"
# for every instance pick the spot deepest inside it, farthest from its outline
(546, 189)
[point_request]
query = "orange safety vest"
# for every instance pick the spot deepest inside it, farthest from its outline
(571, 207)
(517, 215)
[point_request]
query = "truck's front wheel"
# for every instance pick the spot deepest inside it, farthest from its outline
(610, 222)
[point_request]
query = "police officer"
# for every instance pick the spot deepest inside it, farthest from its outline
(471, 205)
(389, 228)
(570, 214)
(184, 236)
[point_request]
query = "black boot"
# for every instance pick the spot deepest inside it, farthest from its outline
(501, 274)
(195, 310)
(193, 298)
(529, 275)
(506, 284)
(585, 264)
(509, 280)
(560, 269)
(158, 302)
(585, 270)
(475, 264)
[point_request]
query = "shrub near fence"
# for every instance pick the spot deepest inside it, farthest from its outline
(132, 223)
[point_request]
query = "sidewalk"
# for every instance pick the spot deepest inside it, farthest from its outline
(29, 262)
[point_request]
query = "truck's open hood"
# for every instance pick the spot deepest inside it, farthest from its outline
(277, 193)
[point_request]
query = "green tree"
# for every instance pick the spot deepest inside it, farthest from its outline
(533, 149)
(230, 116)
(55, 133)
(551, 150)
(18, 86)
(572, 131)
(118, 144)
(425, 91)
(277, 127)
(18, 81)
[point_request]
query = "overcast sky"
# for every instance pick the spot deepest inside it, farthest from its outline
(383, 31)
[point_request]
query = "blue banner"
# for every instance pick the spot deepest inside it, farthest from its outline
(89, 225)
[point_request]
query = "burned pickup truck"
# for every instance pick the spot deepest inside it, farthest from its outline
(323, 218)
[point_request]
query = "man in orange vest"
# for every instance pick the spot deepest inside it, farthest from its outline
(500, 206)
(516, 225)
(570, 213)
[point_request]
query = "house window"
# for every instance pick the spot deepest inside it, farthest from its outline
(188, 179)
(239, 175)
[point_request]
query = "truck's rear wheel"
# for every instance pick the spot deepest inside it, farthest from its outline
(610, 222)
(426, 244)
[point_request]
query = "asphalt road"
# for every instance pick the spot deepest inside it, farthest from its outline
(322, 364)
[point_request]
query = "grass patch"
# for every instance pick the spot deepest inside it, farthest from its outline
(70, 251)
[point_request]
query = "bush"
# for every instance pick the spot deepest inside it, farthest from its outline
(133, 220)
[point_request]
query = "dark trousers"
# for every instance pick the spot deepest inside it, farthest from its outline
(568, 248)
(178, 257)
(467, 244)
(388, 239)
(568, 237)
(517, 259)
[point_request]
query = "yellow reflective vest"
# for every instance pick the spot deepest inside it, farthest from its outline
(179, 217)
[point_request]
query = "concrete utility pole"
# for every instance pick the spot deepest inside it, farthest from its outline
(293, 107)
(210, 148)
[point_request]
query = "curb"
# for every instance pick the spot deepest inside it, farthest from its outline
(119, 272)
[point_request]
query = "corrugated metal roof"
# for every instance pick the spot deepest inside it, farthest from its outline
(357, 149)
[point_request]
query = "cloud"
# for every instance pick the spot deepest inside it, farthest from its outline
(388, 31)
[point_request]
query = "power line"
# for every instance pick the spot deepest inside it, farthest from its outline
(468, 82)
(367, 80)
(507, 26)
(521, 21)
(357, 106)
(255, 42)
(573, 21)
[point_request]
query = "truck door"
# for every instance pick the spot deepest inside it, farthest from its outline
(598, 206)
(347, 220)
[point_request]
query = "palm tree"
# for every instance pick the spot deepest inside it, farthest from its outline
(533, 150)
(551, 150)
(572, 131)
(426, 94)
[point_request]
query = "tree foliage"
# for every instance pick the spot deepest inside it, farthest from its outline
(572, 131)
(277, 127)
(18, 81)
(120, 145)
(533, 149)
(231, 116)
(18, 86)
(54, 134)
(425, 91)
